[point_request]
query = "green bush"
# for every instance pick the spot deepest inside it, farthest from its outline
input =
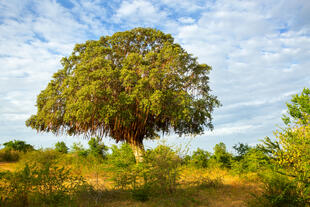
(97, 148)
(37, 185)
(158, 173)
(254, 160)
(9, 155)
(221, 156)
(61, 147)
(13, 150)
(78, 149)
(241, 149)
(200, 158)
(123, 166)
(41, 157)
(279, 191)
(122, 157)
(161, 169)
(18, 145)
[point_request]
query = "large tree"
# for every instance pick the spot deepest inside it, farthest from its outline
(129, 86)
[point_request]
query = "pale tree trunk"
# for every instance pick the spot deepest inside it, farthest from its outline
(137, 148)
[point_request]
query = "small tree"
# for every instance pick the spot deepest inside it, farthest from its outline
(241, 150)
(129, 86)
(18, 145)
(96, 148)
(221, 155)
(200, 158)
(291, 149)
(79, 149)
(61, 147)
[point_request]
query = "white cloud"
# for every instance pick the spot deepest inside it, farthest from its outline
(139, 12)
(188, 6)
(186, 20)
(228, 130)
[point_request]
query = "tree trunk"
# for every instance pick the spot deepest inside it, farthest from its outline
(137, 148)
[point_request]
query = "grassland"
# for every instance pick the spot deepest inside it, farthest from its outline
(197, 187)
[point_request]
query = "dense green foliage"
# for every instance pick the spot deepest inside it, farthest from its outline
(221, 155)
(18, 145)
(299, 108)
(97, 148)
(254, 160)
(290, 154)
(13, 150)
(61, 147)
(278, 191)
(241, 150)
(200, 158)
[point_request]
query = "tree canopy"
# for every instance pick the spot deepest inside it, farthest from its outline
(130, 86)
(291, 149)
(298, 108)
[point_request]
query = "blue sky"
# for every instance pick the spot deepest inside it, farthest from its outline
(259, 52)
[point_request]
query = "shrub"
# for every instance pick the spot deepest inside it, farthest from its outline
(253, 161)
(9, 155)
(123, 165)
(200, 158)
(121, 157)
(79, 149)
(241, 149)
(37, 185)
(161, 169)
(97, 148)
(222, 157)
(18, 145)
(41, 157)
(13, 150)
(61, 147)
(279, 191)
(158, 173)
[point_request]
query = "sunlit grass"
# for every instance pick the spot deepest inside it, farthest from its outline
(11, 166)
(197, 187)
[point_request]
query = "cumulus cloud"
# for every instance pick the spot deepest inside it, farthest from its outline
(139, 12)
(259, 51)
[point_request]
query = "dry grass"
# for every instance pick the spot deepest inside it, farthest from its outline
(232, 193)
(217, 188)
(198, 187)
(4, 166)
